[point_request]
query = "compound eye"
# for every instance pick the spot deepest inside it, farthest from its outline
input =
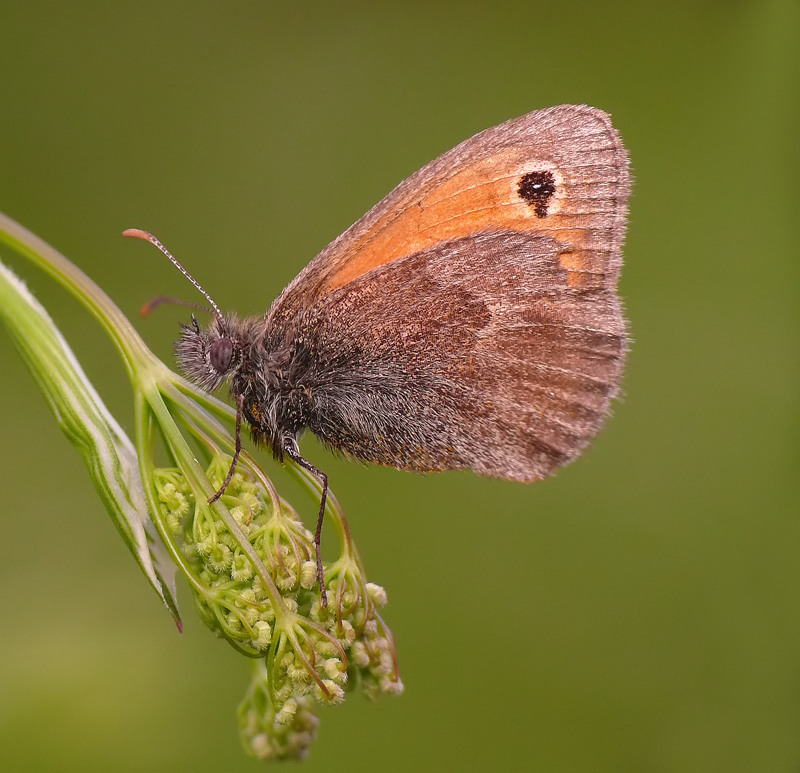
(221, 354)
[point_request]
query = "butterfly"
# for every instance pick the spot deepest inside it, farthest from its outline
(470, 320)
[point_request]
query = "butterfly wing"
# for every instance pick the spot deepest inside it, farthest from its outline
(470, 319)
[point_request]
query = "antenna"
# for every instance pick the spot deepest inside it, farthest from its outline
(137, 233)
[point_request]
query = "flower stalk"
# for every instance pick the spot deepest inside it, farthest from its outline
(247, 557)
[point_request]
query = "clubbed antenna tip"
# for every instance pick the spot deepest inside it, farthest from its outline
(138, 233)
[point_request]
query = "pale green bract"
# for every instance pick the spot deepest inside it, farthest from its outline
(247, 557)
(85, 420)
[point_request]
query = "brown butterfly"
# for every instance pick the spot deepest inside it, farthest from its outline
(469, 320)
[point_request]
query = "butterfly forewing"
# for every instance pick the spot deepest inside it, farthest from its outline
(475, 187)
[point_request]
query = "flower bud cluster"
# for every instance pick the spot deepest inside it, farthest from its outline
(270, 732)
(254, 582)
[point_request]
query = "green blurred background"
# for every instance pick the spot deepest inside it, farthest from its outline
(641, 610)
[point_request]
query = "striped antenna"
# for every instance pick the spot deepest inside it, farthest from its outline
(137, 233)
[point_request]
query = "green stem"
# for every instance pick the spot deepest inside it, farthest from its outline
(130, 345)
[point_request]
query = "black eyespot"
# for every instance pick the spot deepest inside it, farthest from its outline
(221, 354)
(537, 188)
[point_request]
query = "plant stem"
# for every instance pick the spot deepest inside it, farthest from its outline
(136, 355)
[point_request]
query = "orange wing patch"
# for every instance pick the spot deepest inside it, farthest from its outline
(486, 196)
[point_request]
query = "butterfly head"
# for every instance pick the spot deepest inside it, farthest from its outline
(208, 356)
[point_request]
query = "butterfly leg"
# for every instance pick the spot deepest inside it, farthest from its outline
(236, 453)
(294, 455)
